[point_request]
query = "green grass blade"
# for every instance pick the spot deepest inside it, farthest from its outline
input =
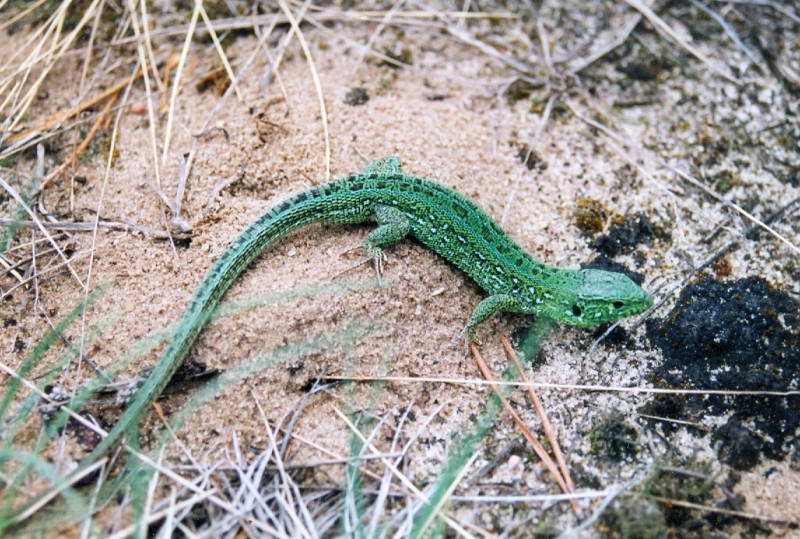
(74, 500)
(44, 345)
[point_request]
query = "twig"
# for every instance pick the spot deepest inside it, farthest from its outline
(526, 432)
(87, 227)
(549, 431)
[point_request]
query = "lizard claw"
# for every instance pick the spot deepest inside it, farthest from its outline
(374, 254)
(468, 335)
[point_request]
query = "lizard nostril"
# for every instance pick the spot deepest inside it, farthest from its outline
(576, 310)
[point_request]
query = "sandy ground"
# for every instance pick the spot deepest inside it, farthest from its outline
(447, 119)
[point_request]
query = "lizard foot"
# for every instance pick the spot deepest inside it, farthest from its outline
(467, 334)
(377, 256)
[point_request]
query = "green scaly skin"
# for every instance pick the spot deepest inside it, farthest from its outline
(444, 221)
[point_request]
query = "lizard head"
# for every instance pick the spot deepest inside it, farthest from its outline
(594, 297)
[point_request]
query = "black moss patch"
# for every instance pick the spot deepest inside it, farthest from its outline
(623, 238)
(737, 445)
(633, 517)
(667, 407)
(530, 158)
(615, 439)
(355, 97)
(691, 486)
(738, 335)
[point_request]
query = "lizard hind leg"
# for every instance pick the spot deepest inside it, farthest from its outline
(387, 166)
(393, 226)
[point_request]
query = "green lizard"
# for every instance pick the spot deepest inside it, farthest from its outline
(444, 221)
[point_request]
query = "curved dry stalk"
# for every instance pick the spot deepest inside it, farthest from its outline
(317, 86)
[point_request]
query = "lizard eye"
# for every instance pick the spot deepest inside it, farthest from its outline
(618, 305)
(576, 310)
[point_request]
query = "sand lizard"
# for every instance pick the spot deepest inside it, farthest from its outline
(443, 220)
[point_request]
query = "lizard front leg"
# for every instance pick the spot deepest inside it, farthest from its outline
(488, 307)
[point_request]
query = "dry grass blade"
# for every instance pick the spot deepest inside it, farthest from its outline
(325, 15)
(56, 119)
(164, 513)
(83, 145)
(148, 43)
(10, 267)
(526, 432)
(30, 510)
(88, 227)
(143, 66)
(586, 524)
(747, 215)
(617, 137)
(176, 82)
(21, 15)
(487, 49)
(222, 56)
(719, 510)
(62, 47)
(41, 272)
(375, 33)
(90, 46)
(583, 63)
(731, 33)
(317, 85)
(11, 191)
(398, 474)
(676, 421)
(659, 23)
(769, 3)
(50, 494)
(546, 385)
